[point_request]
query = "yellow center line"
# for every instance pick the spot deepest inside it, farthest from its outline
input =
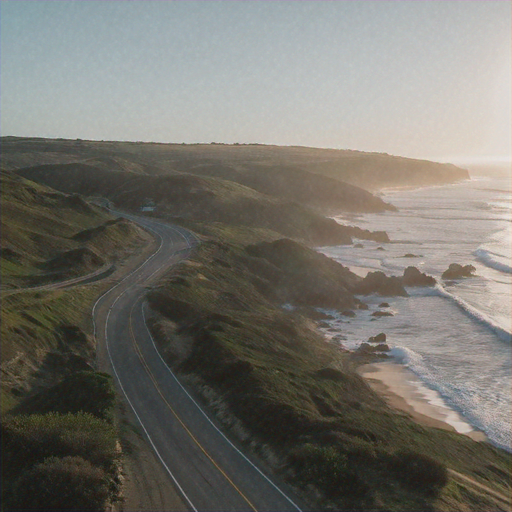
(155, 383)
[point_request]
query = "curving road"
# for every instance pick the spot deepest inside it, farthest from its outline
(210, 472)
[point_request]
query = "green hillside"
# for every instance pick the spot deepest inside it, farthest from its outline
(41, 239)
(186, 197)
(257, 165)
(57, 412)
(49, 237)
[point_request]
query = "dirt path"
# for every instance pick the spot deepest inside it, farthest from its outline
(98, 274)
(503, 498)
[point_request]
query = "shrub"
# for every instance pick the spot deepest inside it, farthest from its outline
(28, 440)
(331, 471)
(61, 484)
(419, 472)
(90, 392)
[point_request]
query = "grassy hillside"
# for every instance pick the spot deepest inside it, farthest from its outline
(199, 199)
(377, 171)
(58, 441)
(48, 236)
(256, 165)
(296, 400)
(296, 184)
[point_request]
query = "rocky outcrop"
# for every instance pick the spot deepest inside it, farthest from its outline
(365, 234)
(379, 314)
(366, 348)
(413, 277)
(378, 338)
(379, 283)
(456, 271)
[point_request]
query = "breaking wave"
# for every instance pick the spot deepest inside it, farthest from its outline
(473, 313)
(491, 259)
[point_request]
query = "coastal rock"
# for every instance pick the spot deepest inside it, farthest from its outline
(366, 348)
(349, 313)
(380, 236)
(457, 271)
(410, 255)
(379, 314)
(364, 234)
(413, 277)
(380, 248)
(358, 246)
(378, 282)
(379, 338)
(384, 305)
(360, 304)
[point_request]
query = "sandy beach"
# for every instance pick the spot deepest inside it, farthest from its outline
(404, 391)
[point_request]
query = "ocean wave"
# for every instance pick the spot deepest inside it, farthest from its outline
(475, 314)
(460, 399)
(411, 359)
(489, 259)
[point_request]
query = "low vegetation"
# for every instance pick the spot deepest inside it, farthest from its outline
(48, 236)
(61, 483)
(59, 437)
(58, 462)
(58, 434)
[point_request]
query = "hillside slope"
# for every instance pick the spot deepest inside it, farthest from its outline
(371, 171)
(200, 199)
(49, 237)
(41, 239)
(296, 184)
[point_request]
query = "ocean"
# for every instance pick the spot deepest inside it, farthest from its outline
(456, 336)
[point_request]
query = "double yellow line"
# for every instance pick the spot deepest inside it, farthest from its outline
(175, 414)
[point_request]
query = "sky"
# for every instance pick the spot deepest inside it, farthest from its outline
(417, 78)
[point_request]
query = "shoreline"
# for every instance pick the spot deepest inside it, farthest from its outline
(404, 391)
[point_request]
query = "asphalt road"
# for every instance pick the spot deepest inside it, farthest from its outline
(210, 472)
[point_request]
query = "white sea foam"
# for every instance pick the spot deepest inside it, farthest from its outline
(492, 260)
(465, 400)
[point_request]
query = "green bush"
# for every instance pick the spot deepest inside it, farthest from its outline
(28, 440)
(61, 484)
(90, 392)
(419, 472)
(331, 471)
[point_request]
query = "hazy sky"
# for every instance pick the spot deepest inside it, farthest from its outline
(414, 78)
